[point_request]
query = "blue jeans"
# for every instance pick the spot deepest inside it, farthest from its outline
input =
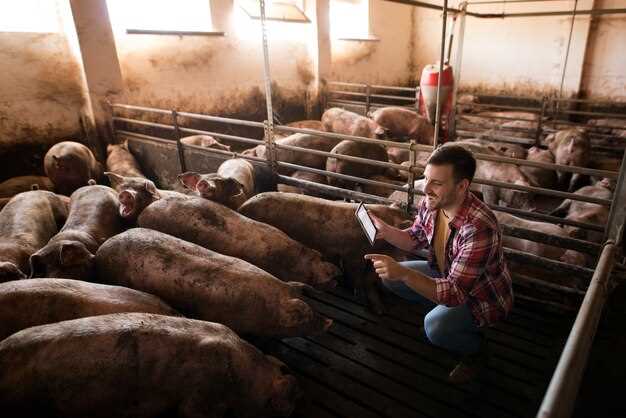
(452, 328)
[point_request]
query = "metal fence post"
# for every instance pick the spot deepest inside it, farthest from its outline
(411, 177)
(270, 155)
(544, 101)
(179, 145)
(368, 99)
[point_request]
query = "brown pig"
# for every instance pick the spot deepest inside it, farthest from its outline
(120, 161)
(592, 213)
(540, 177)
(403, 124)
(15, 185)
(140, 365)
(236, 180)
(27, 303)
(225, 231)
(355, 149)
(329, 227)
(205, 141)
(207, 285)
(92, 219)
(70, 165)
(315, 125)
(570, 147)
(344, 122)
(27, 222)
(304, 175)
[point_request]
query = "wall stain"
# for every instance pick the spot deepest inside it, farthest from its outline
(304, 68)
(360, 51)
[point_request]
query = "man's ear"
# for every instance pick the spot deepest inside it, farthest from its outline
(464, 185)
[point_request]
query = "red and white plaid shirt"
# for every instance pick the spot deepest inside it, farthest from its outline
(476, 272)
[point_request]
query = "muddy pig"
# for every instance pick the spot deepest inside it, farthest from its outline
(15, 185)
(592, 213)
(70, 165)
(206, 285)
(570, 147)
(205, 141)
(404, 124)
(225, 231)
(92, 219)
(138, 365)
(314, 125)
(27, 223)
(135, 194)
(236, 181)
(344, 122)
(356, 149)
(306, 176)
(121, 161)
(27, 303)
(540, 177)
(329, 227)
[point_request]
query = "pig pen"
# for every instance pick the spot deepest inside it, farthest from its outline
(383, 366)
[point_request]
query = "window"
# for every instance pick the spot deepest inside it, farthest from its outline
(280, 10)
(350, 19)
(162, 16)
(39, 16)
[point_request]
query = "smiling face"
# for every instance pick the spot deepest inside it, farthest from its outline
(441, 189)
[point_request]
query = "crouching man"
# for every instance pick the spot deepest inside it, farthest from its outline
(465, 280)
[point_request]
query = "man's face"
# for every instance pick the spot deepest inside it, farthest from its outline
(440, 188)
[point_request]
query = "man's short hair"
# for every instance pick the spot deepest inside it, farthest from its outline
(462, 161)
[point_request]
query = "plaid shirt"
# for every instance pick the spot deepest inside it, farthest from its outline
(476, 272)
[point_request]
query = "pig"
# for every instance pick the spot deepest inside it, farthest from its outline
(304, 175)
(27, 303)
(401, 196)
(303, 158)
(356, 149)
(205, 141)
(329, 227)
(206, 285)
(15, 185)
(27, 222)
(540, 177)
(537, 248)
(120, 161)
(506, 149)
(570, 147)
(465, 101)
(315, 125)
(404, 124)
(380, 190)
(140, 365)
(344, 122)
(608, 126)
(92, 219)
(496, 119)
(135, 194)
(70, 165)
(592, 213)
(225, 231)
(236, 181)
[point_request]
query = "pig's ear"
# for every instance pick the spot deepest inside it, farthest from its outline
(295, 312)
(110, 148)
(233, 187)
(73, 253)
(35, 265)
(151, 188)
(115, 179)
(189, 179)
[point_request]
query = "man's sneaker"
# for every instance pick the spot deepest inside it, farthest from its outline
(469, 368)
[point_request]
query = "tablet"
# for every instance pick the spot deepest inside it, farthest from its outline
(366, 223)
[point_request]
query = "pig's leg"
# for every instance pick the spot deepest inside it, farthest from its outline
(365, 282)
(562, 209)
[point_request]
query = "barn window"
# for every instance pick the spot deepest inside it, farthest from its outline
(350, 19)
(178, 17)
(39, 16)
(280, 10)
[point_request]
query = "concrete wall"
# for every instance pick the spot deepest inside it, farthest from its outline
(42, 89)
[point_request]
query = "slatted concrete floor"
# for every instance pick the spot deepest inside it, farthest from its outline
(382, 366)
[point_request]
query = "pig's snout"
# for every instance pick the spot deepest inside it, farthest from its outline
(205, 188)
(127, 202)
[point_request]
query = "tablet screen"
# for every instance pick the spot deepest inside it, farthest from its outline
(367, 223)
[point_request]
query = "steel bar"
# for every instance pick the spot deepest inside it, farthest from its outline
(411, 177)
(387, 96)
(544, 105)
(592, 12)
(355, 103)
(546, 304)
(224, 136)
(565, 289)
(551, 265)
(144, 137)
(144, 123)
(588, 127)
(141, 108)
(556, 241)
(589, 113)
(333, 191)
(222, 120)
(179, 145)
(411, 89)
(229, 154)
(458, 61)
(617, 215)
(506, 107)
(366, 95)
(360, 160)
(500, 138)
(546, 218)
(560, 397)
(343, 83)
(504, 96)
(569, 42)
(511, 1)
(440, 75)
(368, 100)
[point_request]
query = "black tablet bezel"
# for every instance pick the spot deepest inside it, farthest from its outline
(356, 214)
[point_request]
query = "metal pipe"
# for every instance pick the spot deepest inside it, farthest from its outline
(551, 265)
(440, 75)
(411, 177)
(411, 89)
(179, 145)
(224, 136)
(505, 107)
(142, 108)
(553, 286)
(512, 1)
(569, 42)
(544, 104)
(546, 218)
(617, 215)
(556, 241)
(385, 143)
(144, 123)
(368, 95)
(559, 399)
(458, 61)
(222, 120)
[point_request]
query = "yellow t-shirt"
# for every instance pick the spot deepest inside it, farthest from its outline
(442, 231)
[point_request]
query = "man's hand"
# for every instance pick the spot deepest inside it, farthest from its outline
(381, 226)
(386, 267)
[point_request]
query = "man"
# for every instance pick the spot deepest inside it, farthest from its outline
(465, 279)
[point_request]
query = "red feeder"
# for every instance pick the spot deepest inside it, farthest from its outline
(428, 97)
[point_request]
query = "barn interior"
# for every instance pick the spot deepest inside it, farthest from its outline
(257, 82)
